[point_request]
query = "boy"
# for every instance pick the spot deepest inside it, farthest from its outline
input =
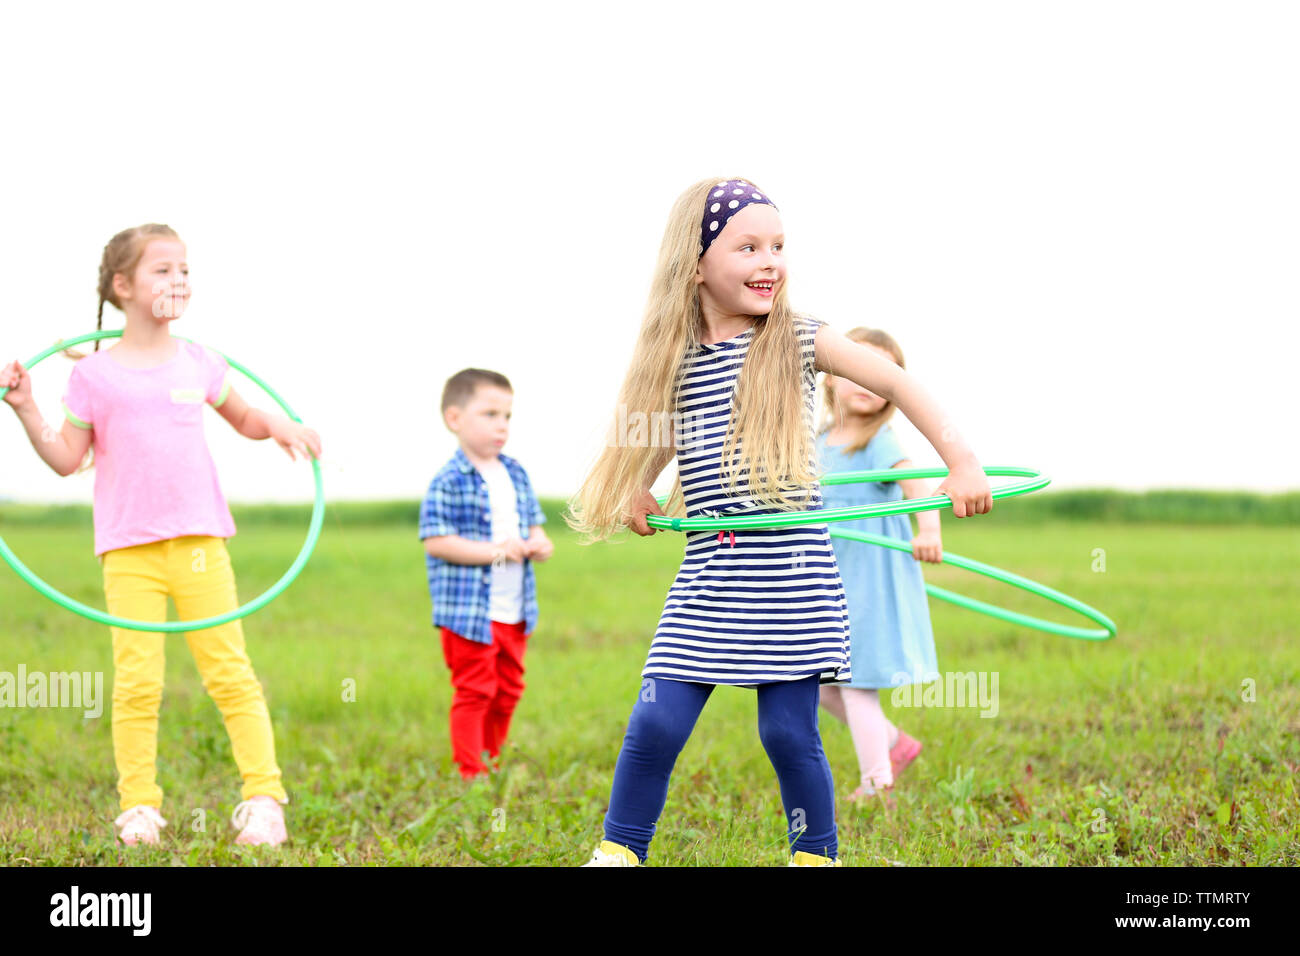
(481, 527)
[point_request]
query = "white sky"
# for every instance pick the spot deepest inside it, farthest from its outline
(1078, 219)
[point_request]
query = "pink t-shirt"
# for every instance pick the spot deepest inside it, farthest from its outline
(154, 476)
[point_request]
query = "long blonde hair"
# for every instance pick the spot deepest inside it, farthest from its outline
(768, 411)
(874, 422)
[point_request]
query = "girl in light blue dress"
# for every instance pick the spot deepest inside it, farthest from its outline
(891, 642)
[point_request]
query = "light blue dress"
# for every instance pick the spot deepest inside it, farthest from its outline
(891, 642)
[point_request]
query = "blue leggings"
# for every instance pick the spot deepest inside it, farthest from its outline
(662, 720)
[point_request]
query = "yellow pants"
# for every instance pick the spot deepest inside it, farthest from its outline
(196, 572)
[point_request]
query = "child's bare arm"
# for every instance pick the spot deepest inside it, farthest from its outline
(661, 457)
(918, 488)
(256, 424)
(63, 450)
(538, 547)
(645, 504)
(454, 549)
(927, 544)
(966, 483)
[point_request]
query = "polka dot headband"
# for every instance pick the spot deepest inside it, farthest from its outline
(724, 201)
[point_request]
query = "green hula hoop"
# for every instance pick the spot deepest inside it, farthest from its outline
(791, 519)
(1033, 587)
(172, 627)
(784, 520)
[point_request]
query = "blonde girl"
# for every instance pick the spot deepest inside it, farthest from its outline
(161, 520)
(889, 613)
(726, 361)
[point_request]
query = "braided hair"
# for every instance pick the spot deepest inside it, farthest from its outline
(123, 254)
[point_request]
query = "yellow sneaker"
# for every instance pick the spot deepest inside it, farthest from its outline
(612, 854)
(801, 858)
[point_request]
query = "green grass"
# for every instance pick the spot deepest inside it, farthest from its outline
(1138, 751)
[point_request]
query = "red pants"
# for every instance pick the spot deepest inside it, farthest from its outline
(488, 681)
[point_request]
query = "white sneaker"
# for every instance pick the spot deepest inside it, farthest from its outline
(139, 824)
(260, 821)
(612, 854)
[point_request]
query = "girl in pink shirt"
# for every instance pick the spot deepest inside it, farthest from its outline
(161, 520)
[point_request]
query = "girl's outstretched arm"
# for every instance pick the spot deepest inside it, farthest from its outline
(63, 450)
(256, 424)
(966, 483)
(927, 544)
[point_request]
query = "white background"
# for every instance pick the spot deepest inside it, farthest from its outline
(1080, 220)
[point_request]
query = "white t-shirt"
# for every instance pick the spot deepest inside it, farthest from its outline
(506, 603)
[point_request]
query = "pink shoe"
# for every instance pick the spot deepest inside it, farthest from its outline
(260, 821)
(903, 752)
(140, 824)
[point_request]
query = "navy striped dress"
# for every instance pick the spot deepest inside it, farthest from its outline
(747, 607)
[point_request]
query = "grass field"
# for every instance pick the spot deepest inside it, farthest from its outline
(1174, 744)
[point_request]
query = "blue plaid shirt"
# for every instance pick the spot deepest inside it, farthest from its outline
(457, 503)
